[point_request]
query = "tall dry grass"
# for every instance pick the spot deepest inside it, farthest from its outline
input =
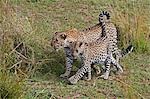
(17, 60)
(133, 20)
(23, 48)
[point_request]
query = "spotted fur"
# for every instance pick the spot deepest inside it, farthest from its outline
(57, 41)
(109, 30)
(99, 52)
(93, 53)
(92, 34)
(72, 34)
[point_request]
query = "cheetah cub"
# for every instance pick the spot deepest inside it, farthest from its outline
(93, 53)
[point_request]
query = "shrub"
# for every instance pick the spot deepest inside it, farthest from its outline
(10, 88)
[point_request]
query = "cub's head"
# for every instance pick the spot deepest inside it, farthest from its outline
(58, 39)
(64, 39)
(79, 49)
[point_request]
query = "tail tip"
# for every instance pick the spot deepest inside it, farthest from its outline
(130, 48)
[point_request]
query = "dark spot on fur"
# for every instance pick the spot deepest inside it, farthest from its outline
(86, 44)
(80, 44)
(77, 51)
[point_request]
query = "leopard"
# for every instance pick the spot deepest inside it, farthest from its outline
(93, 53)
(100, 52)
(109, 29)
(73, 35)
(60, 38)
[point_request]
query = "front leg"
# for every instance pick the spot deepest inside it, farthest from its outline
(69, 62)
(80, 73)
(116, 63)
(85, 77)
(88, 76)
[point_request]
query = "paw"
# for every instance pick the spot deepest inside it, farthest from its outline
(98, 72)
(86, 78)
(104, 76)
(72, 80)
(120, 71)
(64, 75)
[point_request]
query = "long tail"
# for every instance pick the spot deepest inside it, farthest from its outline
(104, 17)
(128, 50)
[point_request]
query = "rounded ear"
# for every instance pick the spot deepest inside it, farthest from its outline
(63, 36)
(56, 32)
(74, 29)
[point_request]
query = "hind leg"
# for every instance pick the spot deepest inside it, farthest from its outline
(116, 63)
(107, 72)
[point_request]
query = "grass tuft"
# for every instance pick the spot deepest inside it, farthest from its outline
(10, 88)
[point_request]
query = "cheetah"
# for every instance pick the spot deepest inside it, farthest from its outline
(61, 38)
(93, 53)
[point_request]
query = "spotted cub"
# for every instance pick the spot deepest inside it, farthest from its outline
(93, 53)
(71, 35)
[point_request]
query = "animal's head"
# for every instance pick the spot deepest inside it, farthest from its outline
(58, 39)
(79, 49)
(63, 39)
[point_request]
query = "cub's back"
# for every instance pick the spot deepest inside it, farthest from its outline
(93, 33)
(98, 48)
(110, 29)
